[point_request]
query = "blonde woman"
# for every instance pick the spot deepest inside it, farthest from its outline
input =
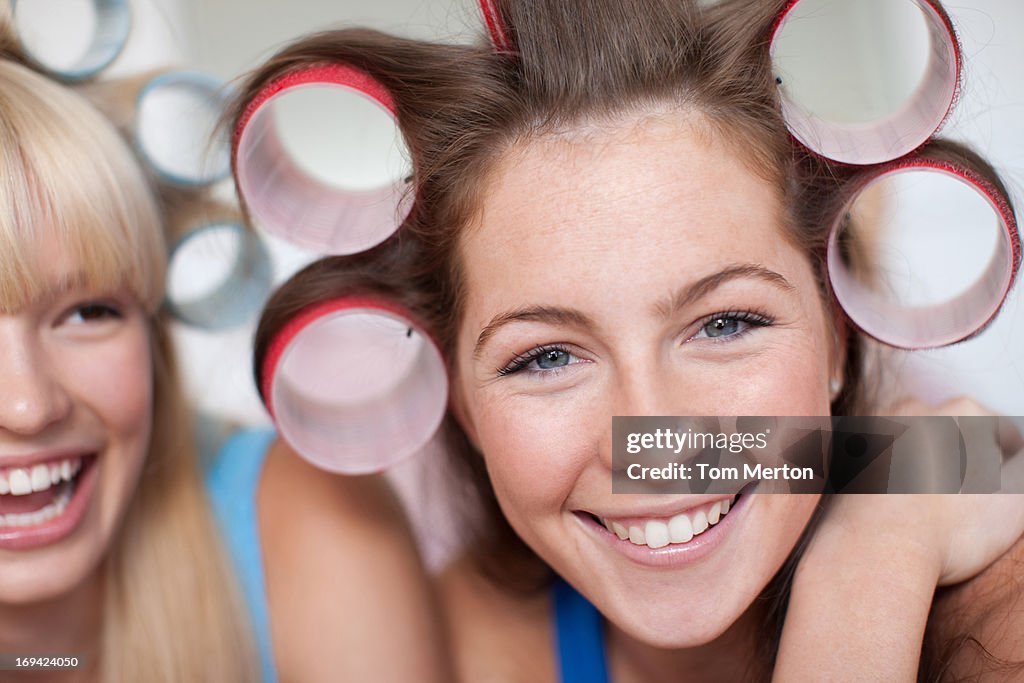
(108, 548)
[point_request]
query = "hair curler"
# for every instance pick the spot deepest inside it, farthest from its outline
(937, 324)
(893, 135)
(113, 24)
(240, 294)
(355, 385)
(296, 206)
(496, 25)
(175, 124)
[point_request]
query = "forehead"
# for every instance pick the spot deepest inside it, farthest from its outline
(650, 204)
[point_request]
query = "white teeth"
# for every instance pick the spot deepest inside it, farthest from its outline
(40, 478)
(656, 534)
(679, 529)
(21, 484)
(700, 523)
(24, 519)
(714, 513)
(20, 481)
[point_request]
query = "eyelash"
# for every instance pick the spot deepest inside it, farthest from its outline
(105, 311)
(521, 361)
(753, 318)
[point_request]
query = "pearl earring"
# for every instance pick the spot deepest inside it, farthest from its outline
(835, 385)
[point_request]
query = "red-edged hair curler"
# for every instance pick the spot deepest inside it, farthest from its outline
(355, 385)
(496, 25)
(291, 203)
(920, 326)
(894, 134)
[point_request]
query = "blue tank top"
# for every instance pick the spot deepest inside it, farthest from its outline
(579, 636)
(232, 480)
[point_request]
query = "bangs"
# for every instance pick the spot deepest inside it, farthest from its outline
(67, 178)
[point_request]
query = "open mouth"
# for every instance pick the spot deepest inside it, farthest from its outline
(659, 532)
(681, 530)
(34, 495)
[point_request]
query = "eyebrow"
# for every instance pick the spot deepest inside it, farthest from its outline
(537, 314)
(687, 294)
(682, 298)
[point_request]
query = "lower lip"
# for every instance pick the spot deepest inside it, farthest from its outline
(51, 531)
(674, 555)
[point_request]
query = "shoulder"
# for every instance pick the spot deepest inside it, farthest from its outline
(977, 627)
(347, 594)
(495, 635)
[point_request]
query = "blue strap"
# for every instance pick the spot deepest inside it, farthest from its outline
(579, 635)
(232, 481)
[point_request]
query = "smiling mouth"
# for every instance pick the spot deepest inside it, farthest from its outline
(34, 495)
(661, 532)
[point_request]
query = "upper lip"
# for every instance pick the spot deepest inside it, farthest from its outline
(666, 509)
(38, 457)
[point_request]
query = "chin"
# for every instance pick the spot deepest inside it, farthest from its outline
(673, 613)
(45, 575)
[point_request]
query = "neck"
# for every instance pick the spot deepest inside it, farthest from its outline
(68, 625)
(732, 656)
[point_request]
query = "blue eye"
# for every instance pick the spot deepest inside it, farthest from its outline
(727, 326)
(540, 360)
(555, 358)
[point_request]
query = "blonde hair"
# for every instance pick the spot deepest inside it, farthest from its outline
(172, 608)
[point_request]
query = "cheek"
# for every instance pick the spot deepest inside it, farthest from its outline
(534, 454)
(116, 383)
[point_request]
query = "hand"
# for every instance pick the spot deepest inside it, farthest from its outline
(964, 533)
(864, 587)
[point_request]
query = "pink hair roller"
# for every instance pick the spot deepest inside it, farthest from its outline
(354, 385)
(294, 205)
(896, 134)
(940, 324)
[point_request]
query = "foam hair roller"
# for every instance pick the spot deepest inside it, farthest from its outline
(240, 295)
(296, 206)
(113, 24)
(496, 25)
(175, 124)
(355, 385)
(896, 134)
(939, 324)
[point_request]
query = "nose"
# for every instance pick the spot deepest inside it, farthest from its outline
(31, 397)
(641, 392)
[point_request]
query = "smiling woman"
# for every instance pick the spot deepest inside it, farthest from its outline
(109, 548)
(612, 219)
(99, 490)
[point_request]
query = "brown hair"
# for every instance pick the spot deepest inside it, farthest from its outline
(461, 108)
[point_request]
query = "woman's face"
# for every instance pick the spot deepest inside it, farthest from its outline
(75, 418)
(639, 268)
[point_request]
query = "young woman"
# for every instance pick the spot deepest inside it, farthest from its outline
(108, 548)
(613, 220)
